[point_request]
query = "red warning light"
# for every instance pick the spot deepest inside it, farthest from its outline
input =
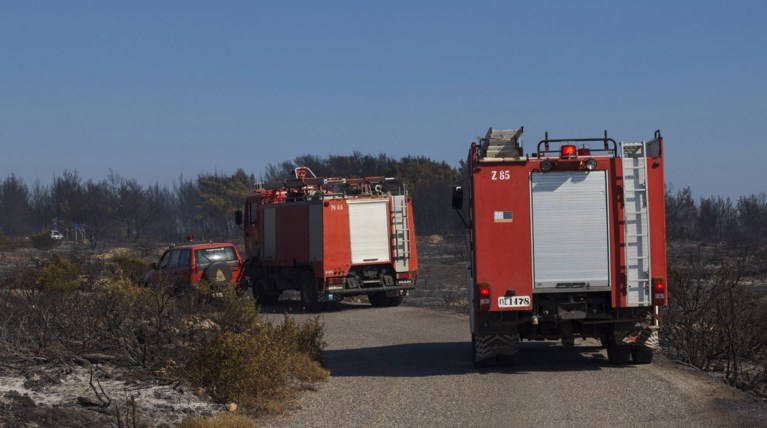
(567, 152)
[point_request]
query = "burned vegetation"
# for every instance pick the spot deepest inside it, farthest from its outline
(87, 314)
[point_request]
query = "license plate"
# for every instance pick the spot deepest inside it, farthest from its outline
(514, 302)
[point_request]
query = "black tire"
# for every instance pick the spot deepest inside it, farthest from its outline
(378, 300)
(309, 296)
(396, 301)
(263, 295)
(641, 354)
(604, 341)
(218, 274)
(483, 363)
(618, 354)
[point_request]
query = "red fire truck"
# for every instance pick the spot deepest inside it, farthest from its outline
(568, 241)
(330, 238)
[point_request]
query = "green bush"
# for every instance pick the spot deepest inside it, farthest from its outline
(255, 363)
(247, 368)
(131, 268)
(301, 338)
(59, 275)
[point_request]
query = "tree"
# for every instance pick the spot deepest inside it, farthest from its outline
(220, 195)
(41, 206)
(187, 203)
(681, 214)
(160, 218)
(99, 211)
(752, 218)
(132, 208)
(68, 199)
(14, 206)
(716, 219)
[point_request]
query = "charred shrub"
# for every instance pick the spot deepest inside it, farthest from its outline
(715, 318)
(5, 243)
(43, 241)
(213, 337)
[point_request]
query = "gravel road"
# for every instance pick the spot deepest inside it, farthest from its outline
(410, 367)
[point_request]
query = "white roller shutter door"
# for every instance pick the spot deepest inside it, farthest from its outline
(369, 231)
(570, 230)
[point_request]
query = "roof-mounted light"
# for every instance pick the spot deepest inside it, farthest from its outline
(547, 165)
(591, 164)
(568, 151)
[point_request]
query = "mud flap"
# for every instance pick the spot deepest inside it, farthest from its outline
(647, 337)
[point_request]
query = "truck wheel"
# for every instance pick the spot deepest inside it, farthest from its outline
(618, 354)
(309, 296)
(604, 341)
(379, 300)
(396, 301)
(264, 296)
(480, 363)
(641, 354)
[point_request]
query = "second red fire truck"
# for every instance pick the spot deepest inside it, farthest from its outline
(330, 238)
(566, 242)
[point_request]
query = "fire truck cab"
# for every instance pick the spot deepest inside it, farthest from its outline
(566, 242)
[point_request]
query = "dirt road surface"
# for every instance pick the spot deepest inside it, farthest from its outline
(411, 367)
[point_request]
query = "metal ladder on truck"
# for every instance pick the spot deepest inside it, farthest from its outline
(401, 235)
(636, 224)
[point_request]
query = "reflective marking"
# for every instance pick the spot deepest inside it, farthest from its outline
(502, 217)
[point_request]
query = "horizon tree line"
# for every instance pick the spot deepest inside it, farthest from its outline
(118, 209)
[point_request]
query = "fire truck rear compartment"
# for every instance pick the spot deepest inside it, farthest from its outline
(570, 234)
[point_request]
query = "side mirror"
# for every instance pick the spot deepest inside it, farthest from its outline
(238, 218)
(457, 197)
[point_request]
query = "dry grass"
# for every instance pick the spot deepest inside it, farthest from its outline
(221, 420)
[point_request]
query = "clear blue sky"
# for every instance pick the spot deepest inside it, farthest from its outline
(157, 89)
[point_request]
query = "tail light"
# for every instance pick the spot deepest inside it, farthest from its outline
(659, 291)
(193, 268)
(567, 152)
(335, 280)
(484, 296)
